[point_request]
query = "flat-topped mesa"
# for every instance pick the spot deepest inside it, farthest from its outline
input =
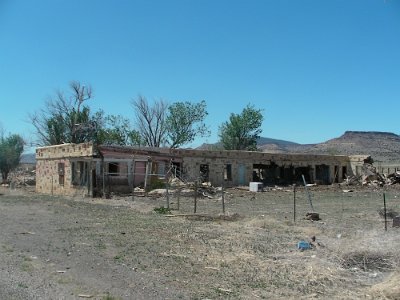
(351, 134)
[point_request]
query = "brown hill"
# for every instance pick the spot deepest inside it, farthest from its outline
(382, 146)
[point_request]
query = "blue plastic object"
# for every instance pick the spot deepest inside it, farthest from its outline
(303, 245)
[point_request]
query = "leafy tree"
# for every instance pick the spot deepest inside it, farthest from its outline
(242, 130)
(11, 148)
(66, 119)
(160, 124)
(185, 122)
(150, 121)
(118, 131)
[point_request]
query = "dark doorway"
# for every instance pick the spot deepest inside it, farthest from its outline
(266, 174)
(344, 173)
(322, 174)
(204, 173)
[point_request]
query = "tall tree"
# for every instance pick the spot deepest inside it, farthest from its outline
(118, 131)
(150, 121)
(242, 130)
(185, 122)
(172, 125)
(66, 118)
(11, 148)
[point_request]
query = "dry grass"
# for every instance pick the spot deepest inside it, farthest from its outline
(252, 253)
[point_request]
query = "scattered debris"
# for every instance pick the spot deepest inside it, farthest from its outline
(225, 290)
(367, 261)
(313, 216)
(212, 268)
(370, 177)
(21, 178)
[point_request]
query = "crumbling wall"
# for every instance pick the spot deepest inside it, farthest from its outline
(53, 168)
(266, 167)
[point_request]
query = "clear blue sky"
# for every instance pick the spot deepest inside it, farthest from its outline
(317, 68)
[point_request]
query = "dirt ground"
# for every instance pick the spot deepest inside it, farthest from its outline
(54, 247)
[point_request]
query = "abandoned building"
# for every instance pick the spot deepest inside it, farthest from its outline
(73, 169)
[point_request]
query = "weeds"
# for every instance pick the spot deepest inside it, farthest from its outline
(162, 210)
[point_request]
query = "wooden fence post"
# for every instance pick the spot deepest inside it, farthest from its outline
(195, 196)
(294, 203)
(384, 210)
(223, 197)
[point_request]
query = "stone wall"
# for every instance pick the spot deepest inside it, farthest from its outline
(242, 166)
(229, 168)
(53, 168)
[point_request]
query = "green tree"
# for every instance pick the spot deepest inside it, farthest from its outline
(160, 124)
(66, 118)
(185, 122)
(242, 130)
(11, 148)
(117, 130)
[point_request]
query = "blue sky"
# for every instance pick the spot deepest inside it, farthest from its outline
(317, 68)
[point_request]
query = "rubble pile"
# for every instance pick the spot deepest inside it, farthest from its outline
(371, 177)
(21, 178)
(205, 188)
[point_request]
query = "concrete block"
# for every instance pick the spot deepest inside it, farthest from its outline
(256, 186)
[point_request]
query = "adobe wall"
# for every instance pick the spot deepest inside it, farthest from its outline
(47, 168)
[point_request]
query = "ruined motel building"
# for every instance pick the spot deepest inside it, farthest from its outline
(86, 169)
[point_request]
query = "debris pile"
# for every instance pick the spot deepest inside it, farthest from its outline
(371, 177)
(21, 178)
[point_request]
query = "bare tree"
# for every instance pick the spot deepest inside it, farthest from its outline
(81, 93)
(150, 120)
(65, 119)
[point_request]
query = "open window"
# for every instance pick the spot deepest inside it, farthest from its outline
(228, 172)
(161, 169)
(79, 173)
(113, 169)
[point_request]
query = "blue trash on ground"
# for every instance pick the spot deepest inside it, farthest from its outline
(303, 245)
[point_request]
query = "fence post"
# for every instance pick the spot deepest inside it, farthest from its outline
(223, 197)
(133, 182)
(167, 193)
(308, 193)
(384, 210)
(179, 197)
(195, 196)
(104, 179)
(294, 203)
